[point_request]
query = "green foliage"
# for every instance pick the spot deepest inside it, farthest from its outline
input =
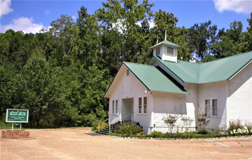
(3, 124)
(248, 126)
(236, 128)
(186, 135)
(156, 134)
(129, 128)
(98, 126)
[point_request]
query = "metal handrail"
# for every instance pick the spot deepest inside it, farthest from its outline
(126, 116)
(99, 124)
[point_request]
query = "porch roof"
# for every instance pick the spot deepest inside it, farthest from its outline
(153, 79)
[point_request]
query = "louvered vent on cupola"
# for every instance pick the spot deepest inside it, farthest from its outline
(166, 50)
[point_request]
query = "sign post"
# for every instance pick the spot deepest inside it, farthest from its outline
(17, 116)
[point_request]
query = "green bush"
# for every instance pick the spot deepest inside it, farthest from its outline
(129, 129)
(157, 134)
(4, 125)
(236, 128)
(248, 126)
(96, 126)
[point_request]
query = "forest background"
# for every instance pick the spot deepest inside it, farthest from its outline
(61, 74)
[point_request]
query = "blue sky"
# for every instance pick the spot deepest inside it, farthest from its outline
(33, 15)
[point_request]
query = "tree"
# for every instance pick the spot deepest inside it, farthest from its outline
(231, 42)
(93, 106)
(164, 22)
(88, 46)
(124, 32)
(201, 37)
(15, 48)
(38, 88)
(64, 29)
(7, 89)
(248, 35)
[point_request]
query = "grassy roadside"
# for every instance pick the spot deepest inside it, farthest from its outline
(4, 125)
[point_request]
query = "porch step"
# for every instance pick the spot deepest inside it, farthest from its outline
(105, 131)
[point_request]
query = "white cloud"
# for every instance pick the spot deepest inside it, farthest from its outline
(151, 23)
(119, 25)
(5, 7)
(24, 24)
(239, 6)
(74, 18)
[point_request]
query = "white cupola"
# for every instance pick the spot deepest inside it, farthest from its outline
(166, 50)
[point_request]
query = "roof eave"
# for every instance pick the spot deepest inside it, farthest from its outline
(239, 70)
(170, 92)
(163, 42)
(137, 77)
(170, 70)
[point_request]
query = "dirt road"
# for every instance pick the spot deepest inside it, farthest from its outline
(80, 143)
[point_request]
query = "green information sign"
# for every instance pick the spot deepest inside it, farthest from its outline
(17, 115)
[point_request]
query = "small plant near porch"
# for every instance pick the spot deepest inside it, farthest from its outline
(203, 120)
(129, 129)
(96, 126)
(170, 120)
(187, 122)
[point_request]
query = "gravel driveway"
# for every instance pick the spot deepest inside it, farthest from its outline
(80, 143)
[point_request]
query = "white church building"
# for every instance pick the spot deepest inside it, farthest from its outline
(147, 93)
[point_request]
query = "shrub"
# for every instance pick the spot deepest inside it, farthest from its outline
(187, 122)
(129, 128)
(203, 121)
(96, 126)
(248, 126)
(236, 128)
(157, 134)
(171, 120)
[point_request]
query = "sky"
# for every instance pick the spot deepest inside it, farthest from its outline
(30, 16)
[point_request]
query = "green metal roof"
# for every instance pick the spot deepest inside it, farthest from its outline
(185, 71)
(218, 70)
(167, 43)
(152, 78)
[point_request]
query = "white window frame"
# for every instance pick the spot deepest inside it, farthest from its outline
(116, 107)
(211, 107)
(207, 107)
(172, 53)
(217, 107)
(145, 105)
(113, 106)
(158, 49)
(142, 106)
